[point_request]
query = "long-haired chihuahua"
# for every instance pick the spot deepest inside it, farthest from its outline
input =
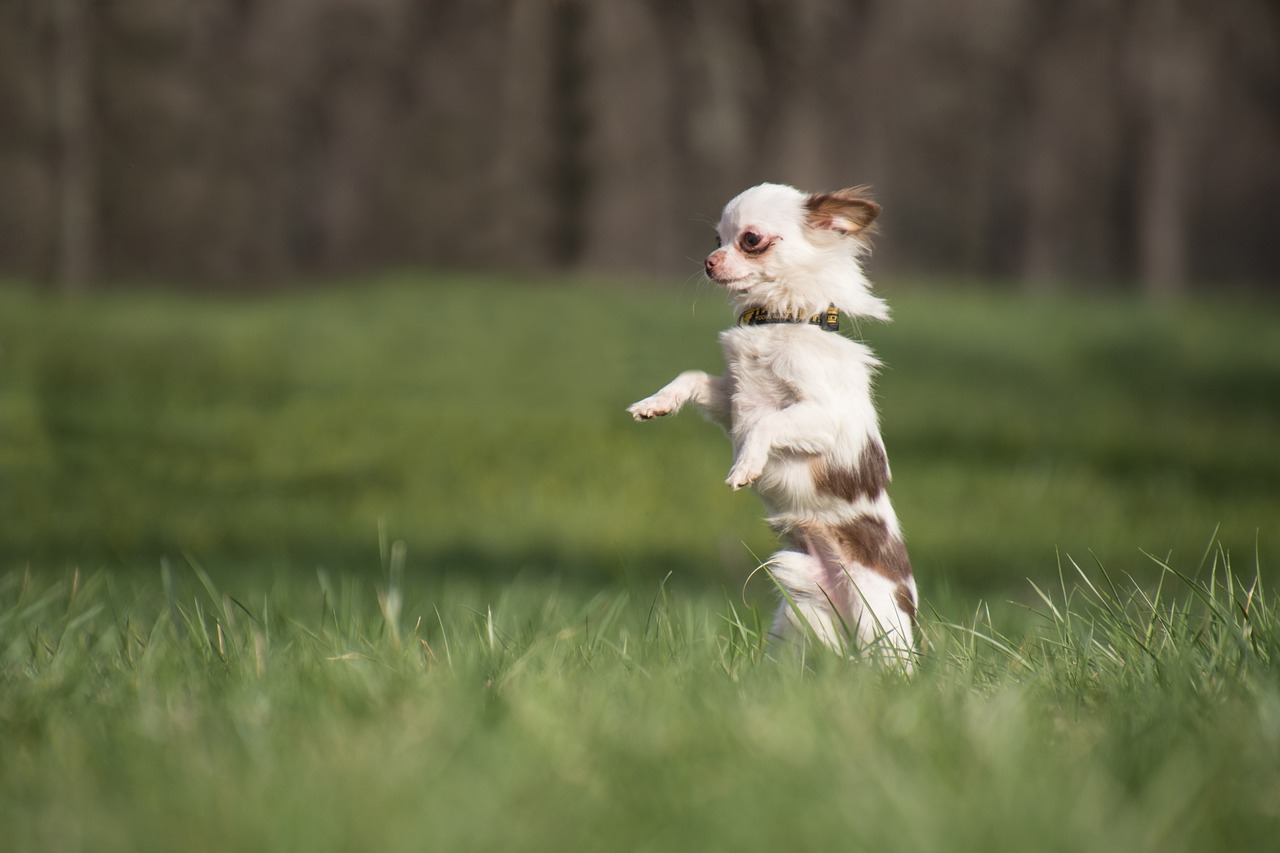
(796, 401)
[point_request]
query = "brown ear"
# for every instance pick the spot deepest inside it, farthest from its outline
(843, 211)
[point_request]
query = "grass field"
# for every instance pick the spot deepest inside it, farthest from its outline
(482, 423)
(388, 567)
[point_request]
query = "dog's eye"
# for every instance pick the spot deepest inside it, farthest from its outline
(752, 242)
(719, 242)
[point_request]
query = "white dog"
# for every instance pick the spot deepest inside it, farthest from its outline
(796, 401)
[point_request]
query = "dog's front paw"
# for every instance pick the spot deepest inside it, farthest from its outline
(651, 407)
(746, 470)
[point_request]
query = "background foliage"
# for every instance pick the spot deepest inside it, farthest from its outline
(240, 142)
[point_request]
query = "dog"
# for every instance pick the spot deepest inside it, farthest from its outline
(796, 401)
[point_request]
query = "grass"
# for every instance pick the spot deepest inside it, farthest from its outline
(482, 422)
(169, 714)
(389, 567)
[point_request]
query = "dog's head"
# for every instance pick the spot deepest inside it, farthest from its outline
(786, 250)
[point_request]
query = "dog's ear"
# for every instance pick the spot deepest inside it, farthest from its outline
(843, 211)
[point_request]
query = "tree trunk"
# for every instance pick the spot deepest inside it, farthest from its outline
(570, 120)
(75, 245)
(1173, 75)
(1164, 252)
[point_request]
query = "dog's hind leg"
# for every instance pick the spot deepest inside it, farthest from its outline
(883, 615)
(808, 606)
(845, 608)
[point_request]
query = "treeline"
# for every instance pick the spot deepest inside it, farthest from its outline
(247, 142)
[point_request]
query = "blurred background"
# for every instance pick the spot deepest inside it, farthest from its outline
(343, 270)
(245, 143)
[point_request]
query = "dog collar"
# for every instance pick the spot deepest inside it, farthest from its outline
(828, 321)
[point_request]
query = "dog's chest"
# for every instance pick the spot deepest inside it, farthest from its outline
(771, 368)
(757, 385)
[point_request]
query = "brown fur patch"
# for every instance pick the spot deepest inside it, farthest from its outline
(844, 211)
(866, 540)
(867, 480)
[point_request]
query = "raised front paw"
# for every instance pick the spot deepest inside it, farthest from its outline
(746, 469)
(652, 407)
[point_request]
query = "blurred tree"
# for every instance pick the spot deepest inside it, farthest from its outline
(570, 123)
(253, 141)
(1171, 51)
(1072, 151)
(75, 264)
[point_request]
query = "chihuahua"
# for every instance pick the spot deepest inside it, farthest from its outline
(796, 401)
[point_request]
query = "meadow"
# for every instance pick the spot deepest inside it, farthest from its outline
(388, 566)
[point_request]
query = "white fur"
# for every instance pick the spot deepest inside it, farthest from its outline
(809, 271)
(795, 398)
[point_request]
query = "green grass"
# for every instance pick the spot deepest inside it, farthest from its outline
(388, 567)
(170, 714)
(482, 422)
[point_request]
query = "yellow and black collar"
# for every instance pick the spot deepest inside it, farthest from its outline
(828, 321)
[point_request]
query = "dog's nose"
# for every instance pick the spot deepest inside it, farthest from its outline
(713, 262)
